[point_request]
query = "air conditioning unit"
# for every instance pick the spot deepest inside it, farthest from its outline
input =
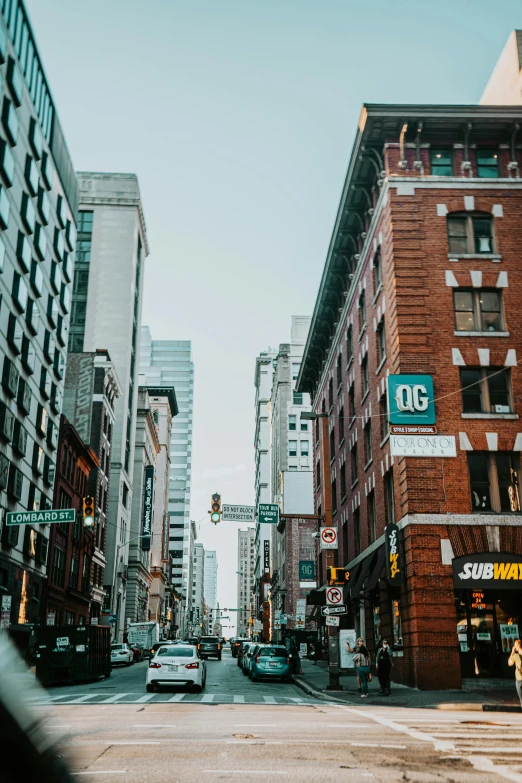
(501, 408)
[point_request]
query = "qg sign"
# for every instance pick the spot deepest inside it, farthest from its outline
(411, 399)
(488, 570)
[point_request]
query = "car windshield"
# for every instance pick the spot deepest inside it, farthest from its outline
(212, 639)
(273, 652)
(177, 652)
(117, 646)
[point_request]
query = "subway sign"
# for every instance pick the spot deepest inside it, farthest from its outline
(488, 570)
(411, 399)
(393, 555)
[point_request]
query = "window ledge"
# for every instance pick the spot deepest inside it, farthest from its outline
(377, 293)
(354, 483)
(363, 330)
(368, 464)
(350, 362)
(385, 439)
(343, 499)
(341, 443)
(490, 415)
(381, 365)
(473, 256)
(366, 393)
(352, 421)
(482, 334)
(339, 388)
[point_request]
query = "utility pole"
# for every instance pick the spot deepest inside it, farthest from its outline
(331, 554)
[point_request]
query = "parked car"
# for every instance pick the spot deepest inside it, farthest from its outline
(210, 646)
(236, 646)
(176, 664)
(271, 661)
(249, 657)
(138, 652)
(243, 652)
(231, 642)
(121, 653)
(239, 647)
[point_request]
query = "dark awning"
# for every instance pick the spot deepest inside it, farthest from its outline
(361, 576)
(354, 573)
(377, 567)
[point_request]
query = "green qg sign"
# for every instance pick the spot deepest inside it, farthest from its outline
(268, 513)
(40, 517)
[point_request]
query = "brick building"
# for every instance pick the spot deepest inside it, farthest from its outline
(71, 546)
(422, 276)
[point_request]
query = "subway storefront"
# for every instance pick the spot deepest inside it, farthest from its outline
(488, 604)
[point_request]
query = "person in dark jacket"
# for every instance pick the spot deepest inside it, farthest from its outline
(384, 664)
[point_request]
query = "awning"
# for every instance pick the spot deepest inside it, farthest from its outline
(354, 573)
(378, 565)
(355, 585)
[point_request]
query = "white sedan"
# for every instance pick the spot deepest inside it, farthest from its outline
(121, 653)
(176, 664)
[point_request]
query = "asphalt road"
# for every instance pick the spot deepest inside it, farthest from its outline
(113, 730)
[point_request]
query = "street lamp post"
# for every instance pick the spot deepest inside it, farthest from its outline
(326, 481)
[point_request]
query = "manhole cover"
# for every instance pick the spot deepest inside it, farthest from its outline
(244, 736)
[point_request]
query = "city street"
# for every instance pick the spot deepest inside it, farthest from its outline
(240, 729)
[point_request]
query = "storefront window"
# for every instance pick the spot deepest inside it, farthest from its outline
(377, 625)
(397, 625)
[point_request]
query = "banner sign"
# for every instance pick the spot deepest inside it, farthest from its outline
(488, 570)
(165, 539)
(148, 491)
(266, 556)
(391, 547)
(231, 513)
(347, 639)
(268, 514)
(411, 399)
(423, 446)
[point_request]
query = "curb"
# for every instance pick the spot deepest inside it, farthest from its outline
(311, 691)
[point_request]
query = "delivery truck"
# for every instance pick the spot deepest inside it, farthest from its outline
(145, 634)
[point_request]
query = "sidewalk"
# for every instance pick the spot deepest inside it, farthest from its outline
(495, 695)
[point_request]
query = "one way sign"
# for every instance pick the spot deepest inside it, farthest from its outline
(330, 610)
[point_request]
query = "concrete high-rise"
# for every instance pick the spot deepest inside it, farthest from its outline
(198, 589)
(108, 284)
(246, 580)
(210, 588)
(38, 204)
(169, 362)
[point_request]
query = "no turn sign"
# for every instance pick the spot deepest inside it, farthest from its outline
(328, 538)
(334, 596)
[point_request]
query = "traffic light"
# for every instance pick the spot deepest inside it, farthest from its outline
(215, 513)
(88, 511)
(338, 576)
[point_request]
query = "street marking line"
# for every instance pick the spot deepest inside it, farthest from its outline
(349, 725)
(132, 742)
(177, 697)
(376, 745)
(298, 701)
(154, 725)
(269, 700)
(207, 698)
(112, 699)
(147, 697)
(255, 725)
(486, 765)
(413, 733)
(466, 749)
(57, 698)
(239, 699)
(83, 699)
(247, 771)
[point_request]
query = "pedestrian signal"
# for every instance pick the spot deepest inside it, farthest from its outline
(338, 576)
(88, 511)
(215, 508)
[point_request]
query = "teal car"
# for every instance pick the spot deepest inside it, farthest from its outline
(271, 662)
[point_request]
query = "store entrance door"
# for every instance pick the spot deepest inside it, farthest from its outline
(487, 624)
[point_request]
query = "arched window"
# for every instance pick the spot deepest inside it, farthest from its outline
(470, 233)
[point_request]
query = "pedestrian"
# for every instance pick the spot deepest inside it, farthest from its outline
(362, 662)
(515, 659)
(293, 653)
(384, 664)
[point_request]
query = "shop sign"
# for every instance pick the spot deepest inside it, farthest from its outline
(393, 564)
(147, 508)
(423, 445)
(488, 571)
(411, 399)
(508, 634)
(307, 574)
(478, 600)
(266, 556)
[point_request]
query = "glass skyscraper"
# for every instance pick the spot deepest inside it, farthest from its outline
(169, 362)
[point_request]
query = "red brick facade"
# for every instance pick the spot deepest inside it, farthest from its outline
(405, 275)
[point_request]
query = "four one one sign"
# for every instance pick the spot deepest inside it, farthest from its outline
(329, 538)
(423, 445)
(148, 491)
(393, 560)
(411, 399)
(268, 513)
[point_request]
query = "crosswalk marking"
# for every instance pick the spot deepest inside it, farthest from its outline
(269, 700)
(208, 697)
(165, 698)
(82, 699)
(114, 698)
(147, 697)
(177, 697)
(239, 699)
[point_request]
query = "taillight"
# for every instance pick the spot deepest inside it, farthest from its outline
(219, 647)
(192, 665)
(257, 659)
(199, 647)
(154, 665)
(288, 660)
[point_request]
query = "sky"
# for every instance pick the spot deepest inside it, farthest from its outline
(238, 117)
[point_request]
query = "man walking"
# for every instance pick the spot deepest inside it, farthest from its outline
(384, 663)
(515, 659)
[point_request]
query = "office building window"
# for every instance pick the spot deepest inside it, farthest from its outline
(58, 570)
(362, 312)
(441, 162)
(342, 478)
(377, 271)
(494, 481)
(355, 469)
(304, 448)
(478, 310)
(292, 448)
(357, 530)
(292, 422)
(384, 417)
(368, 442)
(304, 425)
(295, 371)
(339, 370)
(381, 342)
(349, 345)
(487, 163)
(486, 390)
(365, 376)
(297, 398)
(341, 426)
(351, 402)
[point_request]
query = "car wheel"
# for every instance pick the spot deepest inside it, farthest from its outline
(150, 688)
(219, 657)
(253, 678)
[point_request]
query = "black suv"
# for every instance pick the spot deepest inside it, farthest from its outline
(210, 646)
(236, 646)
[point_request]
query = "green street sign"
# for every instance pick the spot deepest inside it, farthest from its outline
(40, 517)
(268, 513)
